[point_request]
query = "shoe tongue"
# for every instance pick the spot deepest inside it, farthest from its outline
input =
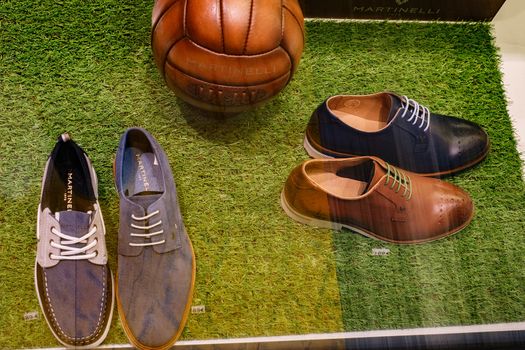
(395, 104)
(145, 199)
(376, 175)
(73, 223)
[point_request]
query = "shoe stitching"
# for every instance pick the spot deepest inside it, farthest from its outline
(99, 328)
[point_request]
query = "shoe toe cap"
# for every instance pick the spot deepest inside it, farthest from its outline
(76, 301)
(153, 305)
(456, 210)
(155, 328)
(470, 143)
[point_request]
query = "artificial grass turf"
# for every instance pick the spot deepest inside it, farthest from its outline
(478, 275)
(86, 68)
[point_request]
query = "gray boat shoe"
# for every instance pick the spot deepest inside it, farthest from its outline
(73, 282)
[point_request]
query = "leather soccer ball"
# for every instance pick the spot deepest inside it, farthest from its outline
(228, 55)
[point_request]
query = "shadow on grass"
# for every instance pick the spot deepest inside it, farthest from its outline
(226, 128)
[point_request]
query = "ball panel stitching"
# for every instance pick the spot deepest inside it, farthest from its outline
(290, 56)
(296, 19)
(154, 26)
(167, 51)
(249, 28)
(184, 30)
(221, 20)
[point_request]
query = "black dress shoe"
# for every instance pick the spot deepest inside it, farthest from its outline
(396, 129)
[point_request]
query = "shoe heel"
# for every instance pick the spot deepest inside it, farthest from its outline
(312, 152)
(303, 219)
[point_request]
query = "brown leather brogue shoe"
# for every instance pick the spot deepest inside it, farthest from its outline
(375, 199)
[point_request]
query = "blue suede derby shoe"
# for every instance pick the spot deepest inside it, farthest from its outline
(396, 129)
(156, 264)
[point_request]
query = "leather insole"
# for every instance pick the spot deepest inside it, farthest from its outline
(366, 113)
(339, 186)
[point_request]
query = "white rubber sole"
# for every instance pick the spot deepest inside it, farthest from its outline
(303, 219)
(312, 152)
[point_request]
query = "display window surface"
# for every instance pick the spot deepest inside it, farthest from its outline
(88, 69)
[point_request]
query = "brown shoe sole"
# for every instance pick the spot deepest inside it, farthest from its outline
(315, 150)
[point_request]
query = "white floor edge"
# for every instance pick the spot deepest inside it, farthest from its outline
(488, 328)
(508, 28)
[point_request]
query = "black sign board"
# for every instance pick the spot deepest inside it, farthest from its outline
(450, 10)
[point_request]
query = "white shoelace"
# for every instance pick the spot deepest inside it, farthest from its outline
(419, 113)
(146, 228)
(72, 253)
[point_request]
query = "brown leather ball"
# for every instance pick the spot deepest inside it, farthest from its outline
(227, 55)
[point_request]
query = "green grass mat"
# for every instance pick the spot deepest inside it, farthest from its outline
(86, 67)
(478, 275)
